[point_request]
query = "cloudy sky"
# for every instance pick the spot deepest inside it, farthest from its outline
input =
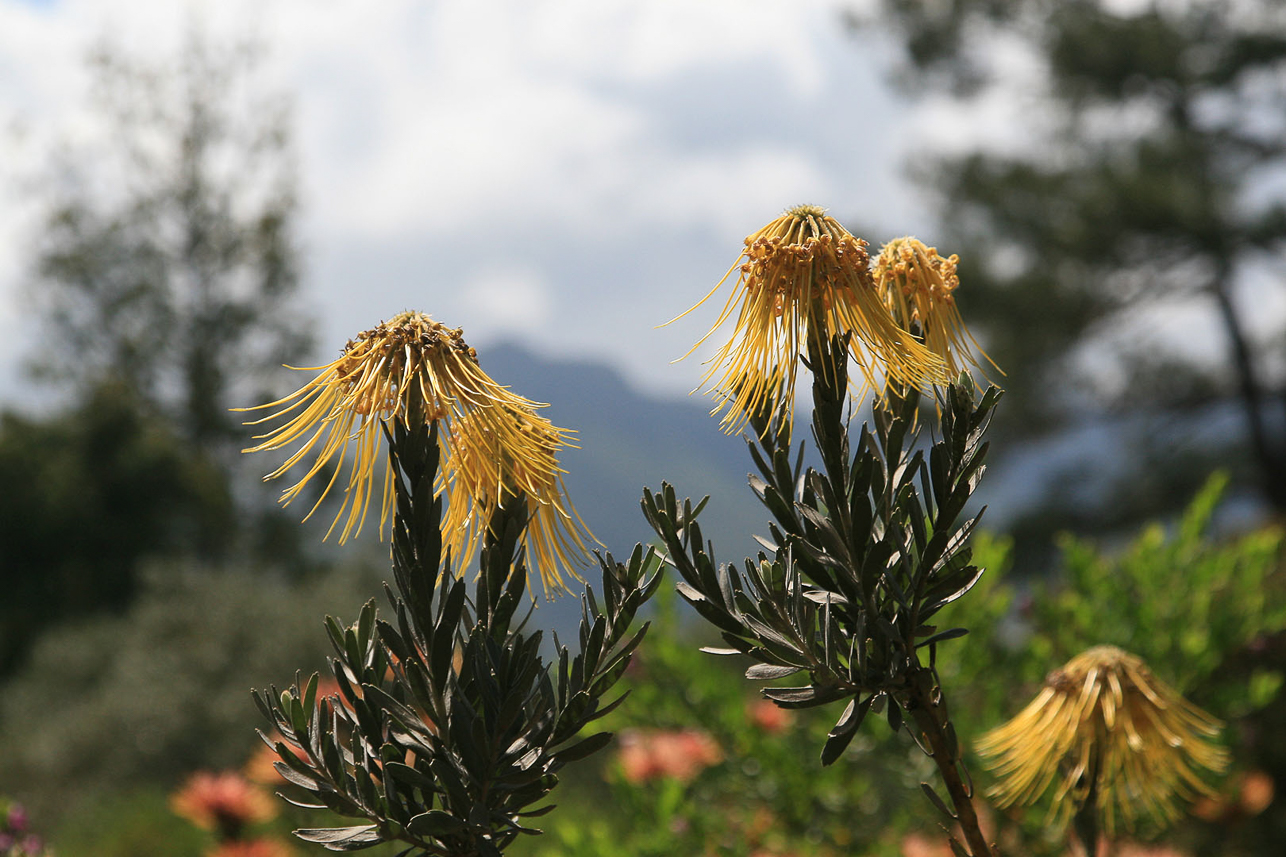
(564, 174)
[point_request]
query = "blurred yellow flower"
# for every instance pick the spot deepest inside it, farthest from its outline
(417, 370)
(805, 276)
(1104, 724)
(917, 285)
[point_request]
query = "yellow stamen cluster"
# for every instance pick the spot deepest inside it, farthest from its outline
(1104, 722)
(483, 468)
(917, 285)
(804, 275)
(416, 370)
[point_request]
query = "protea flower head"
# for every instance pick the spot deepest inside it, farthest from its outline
(417, 370)
(482, 468)
(918, 285)
(805, 276)
(1104, 725)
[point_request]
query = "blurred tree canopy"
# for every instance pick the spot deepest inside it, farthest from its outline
(86, 495)
(169, 263)
(1139, 184)
(163, 290)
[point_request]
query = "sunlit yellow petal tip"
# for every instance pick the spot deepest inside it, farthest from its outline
(413, 368)
(805, 276)
(918, 287)
(505, 453)
(1105, 718)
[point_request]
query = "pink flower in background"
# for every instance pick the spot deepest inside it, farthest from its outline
(16, 822)
(252, 848)
(225, 802)
(15, 839)
(768, 716)
(680, 755)
(919, 845)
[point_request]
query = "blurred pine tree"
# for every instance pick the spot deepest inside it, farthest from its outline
(1141, 180)
(163, 291)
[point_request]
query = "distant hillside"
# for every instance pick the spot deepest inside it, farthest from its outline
(629, 440)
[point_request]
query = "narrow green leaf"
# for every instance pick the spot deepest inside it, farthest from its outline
(937, 801)
(436, 824)
(350, 838)
(584, 748)
(767, 672)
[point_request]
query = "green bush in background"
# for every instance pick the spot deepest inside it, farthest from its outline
(144, 698)
(135, 701)
(1207, 614)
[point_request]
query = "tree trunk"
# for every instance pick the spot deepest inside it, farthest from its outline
(1269, 456)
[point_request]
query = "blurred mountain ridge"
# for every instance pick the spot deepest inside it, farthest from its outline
(628, 440)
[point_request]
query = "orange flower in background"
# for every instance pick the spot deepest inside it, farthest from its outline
(918, 286)
(1248, 795)
(225, 802)
(680, 755)
(1105, 719)
(802, 277)
(1256, 791)
(261, 766)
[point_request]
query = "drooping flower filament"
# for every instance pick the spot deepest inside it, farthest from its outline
(417, 370)
(1106, 727)
(802, 276)
(918, 288)
(490, 471)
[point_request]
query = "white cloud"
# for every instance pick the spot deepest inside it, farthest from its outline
(586, 169)
(513, 111)
(648, 42)
(507, 300)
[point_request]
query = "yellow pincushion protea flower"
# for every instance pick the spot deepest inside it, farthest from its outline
(1105, 726)
(917, 285)
(804, 275)
(483, 469)
(413, 368)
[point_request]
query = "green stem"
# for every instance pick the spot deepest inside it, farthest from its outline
(1085, 819)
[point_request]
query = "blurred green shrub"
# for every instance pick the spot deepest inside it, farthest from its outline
(89, 495)
(117, 703)
(1196, 608)
(1182, 601)
(702, 765)
(755, 796)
